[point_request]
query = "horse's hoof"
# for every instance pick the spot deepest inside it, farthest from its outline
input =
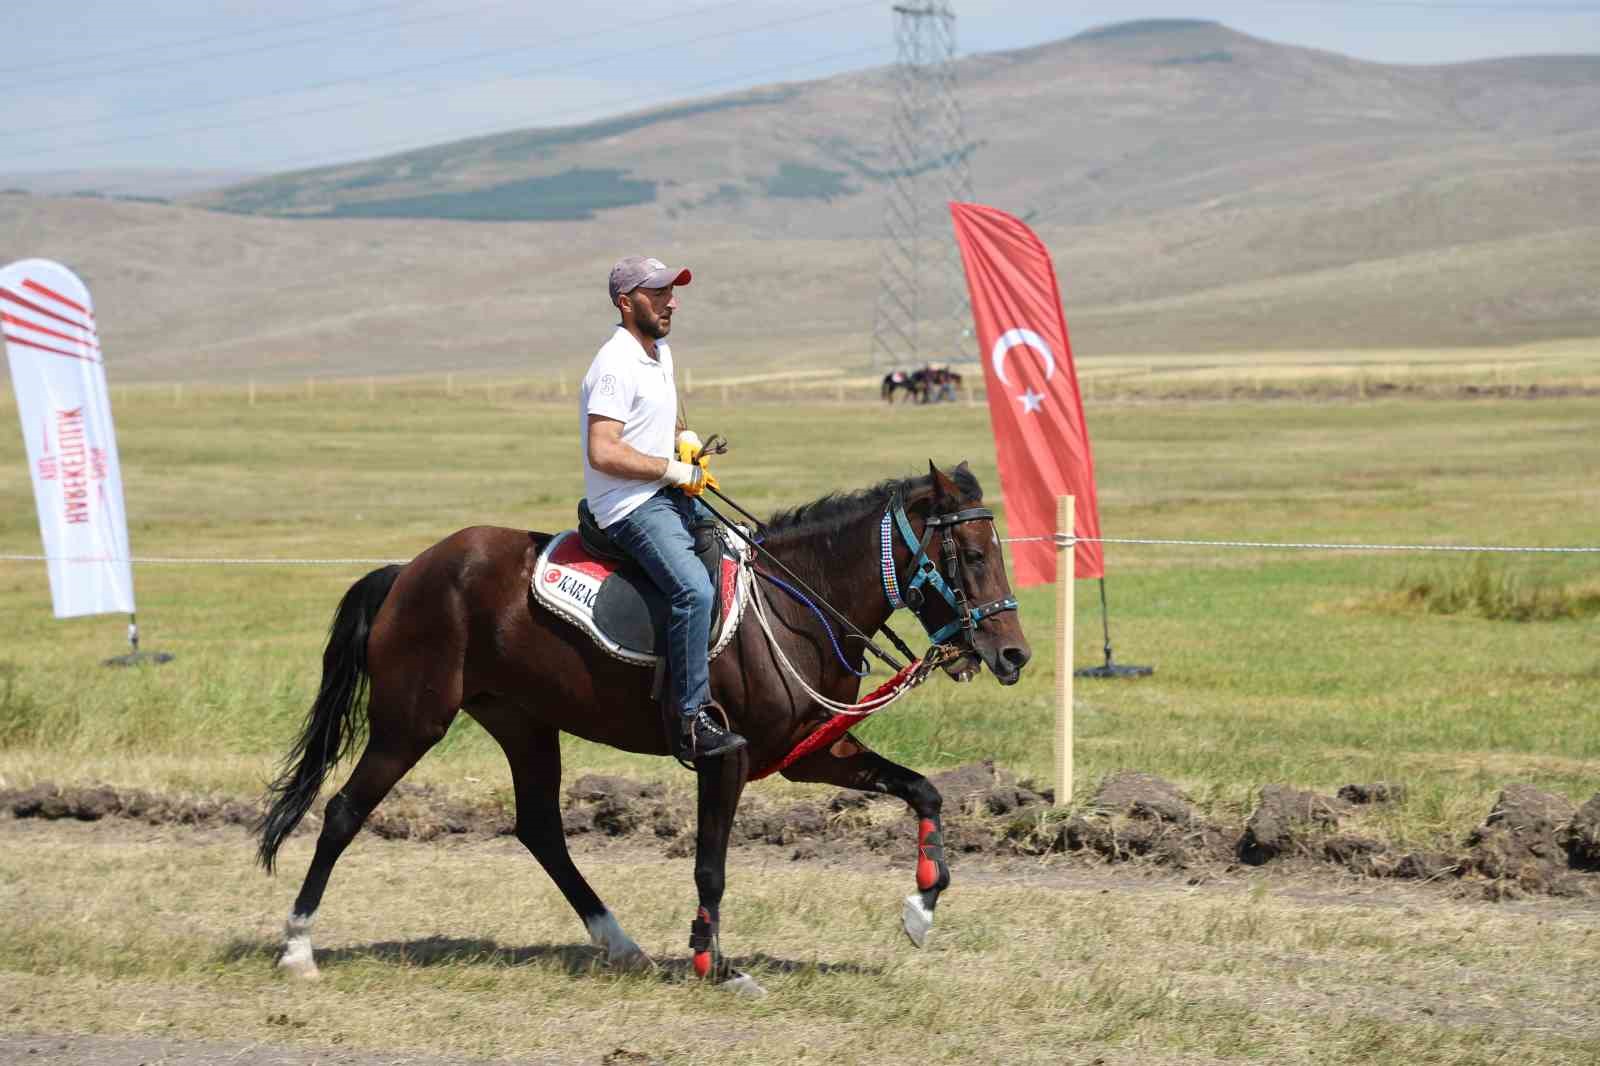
(917, 919)
(742, 984)
(297, 965)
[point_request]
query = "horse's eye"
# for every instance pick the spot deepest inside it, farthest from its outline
(973, 558)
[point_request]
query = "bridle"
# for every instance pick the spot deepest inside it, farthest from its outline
(925, 573)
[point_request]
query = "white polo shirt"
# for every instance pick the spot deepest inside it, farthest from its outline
(624, 383)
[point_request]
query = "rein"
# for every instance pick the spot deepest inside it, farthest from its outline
(924, 572)
(853, 629)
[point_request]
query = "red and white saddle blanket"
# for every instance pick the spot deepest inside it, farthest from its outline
(620, 607)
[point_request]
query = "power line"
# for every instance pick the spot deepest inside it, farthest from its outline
(375, 76)
(167, 64)
(411, 143)
(432, 90)
(1448, 5)
(231, 34)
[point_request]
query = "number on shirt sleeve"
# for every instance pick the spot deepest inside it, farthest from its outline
(612, 395)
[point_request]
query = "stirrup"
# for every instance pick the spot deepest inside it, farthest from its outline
(686, 745)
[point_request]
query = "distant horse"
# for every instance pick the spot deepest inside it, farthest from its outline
(941, 384)
(456, 629)
(897, 381)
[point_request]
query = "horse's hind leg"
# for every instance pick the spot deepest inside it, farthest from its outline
(535, 756)
(721, 782)
(851, 764)
(384, 762)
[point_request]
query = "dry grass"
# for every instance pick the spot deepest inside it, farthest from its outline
(467, 949)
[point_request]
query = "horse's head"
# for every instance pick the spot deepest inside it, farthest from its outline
(961, 539)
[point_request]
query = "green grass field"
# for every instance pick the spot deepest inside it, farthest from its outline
(1314, 668)
(1304, 667)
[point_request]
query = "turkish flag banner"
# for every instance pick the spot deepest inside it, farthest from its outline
(1041, 441)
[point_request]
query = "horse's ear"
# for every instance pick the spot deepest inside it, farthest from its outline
(943, 487)
(962, 465)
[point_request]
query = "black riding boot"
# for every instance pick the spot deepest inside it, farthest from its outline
(700, 736)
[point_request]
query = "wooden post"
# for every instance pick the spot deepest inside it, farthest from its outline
(1066, 573)
(838, 392)
(252, 392)
(449, 384)
(688, 381)
(561, 385)
(372, 388)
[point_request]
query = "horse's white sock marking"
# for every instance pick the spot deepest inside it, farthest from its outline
(297, 956)
(742, 984)
(604, 932)
(917, 919)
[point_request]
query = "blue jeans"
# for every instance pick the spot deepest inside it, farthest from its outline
(657, 535)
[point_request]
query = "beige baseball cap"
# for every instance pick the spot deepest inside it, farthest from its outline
(642, 272)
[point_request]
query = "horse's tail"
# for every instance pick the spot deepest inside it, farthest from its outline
(337, 718)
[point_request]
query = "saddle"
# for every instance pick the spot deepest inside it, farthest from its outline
(585, 578)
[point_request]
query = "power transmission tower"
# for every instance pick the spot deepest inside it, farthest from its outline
(922, 311)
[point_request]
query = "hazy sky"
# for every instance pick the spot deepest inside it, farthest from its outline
(261, 86)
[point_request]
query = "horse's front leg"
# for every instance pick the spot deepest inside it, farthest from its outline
(851, 764)
(721, 782)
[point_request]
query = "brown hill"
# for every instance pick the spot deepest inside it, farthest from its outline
(1200, 189)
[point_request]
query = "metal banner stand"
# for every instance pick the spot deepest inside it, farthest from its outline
(135, 657)
(1111, 668)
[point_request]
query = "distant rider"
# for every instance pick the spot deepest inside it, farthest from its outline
(640, 487)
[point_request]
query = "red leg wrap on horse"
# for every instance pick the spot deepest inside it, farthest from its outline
(702, 963)
(927, 868)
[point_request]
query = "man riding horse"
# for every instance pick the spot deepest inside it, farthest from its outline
(641, 487)
(457, 630)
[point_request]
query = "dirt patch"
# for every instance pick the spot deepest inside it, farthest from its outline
(1376, 792)
(101, 801)
(1531, 842)
(1581, 837)
(1520, 846)
(1286, 822)
(1138, 815)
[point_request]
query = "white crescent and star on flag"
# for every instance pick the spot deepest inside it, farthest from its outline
(1022, 338)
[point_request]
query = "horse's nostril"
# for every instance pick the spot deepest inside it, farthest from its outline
(1015, 657)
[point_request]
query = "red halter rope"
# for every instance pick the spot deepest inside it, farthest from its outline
(837, 725)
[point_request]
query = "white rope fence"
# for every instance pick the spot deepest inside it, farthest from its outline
(195, 561)
(1058, 539)
(1062, 539)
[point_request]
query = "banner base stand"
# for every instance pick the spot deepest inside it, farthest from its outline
(1111, 668)
(136, 658)
(1114, 669)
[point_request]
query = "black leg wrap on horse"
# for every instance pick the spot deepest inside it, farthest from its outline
(706, 954)
(702, 935)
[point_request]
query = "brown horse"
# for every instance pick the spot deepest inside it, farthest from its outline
(456, 629)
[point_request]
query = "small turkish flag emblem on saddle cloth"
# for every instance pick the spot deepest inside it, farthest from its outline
(621, 609)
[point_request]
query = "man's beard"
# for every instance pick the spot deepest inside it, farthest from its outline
(657, 328)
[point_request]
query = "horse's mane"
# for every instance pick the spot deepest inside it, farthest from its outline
(838, 509)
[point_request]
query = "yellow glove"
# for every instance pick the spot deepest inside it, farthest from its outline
(688, 446)
(692, 478)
